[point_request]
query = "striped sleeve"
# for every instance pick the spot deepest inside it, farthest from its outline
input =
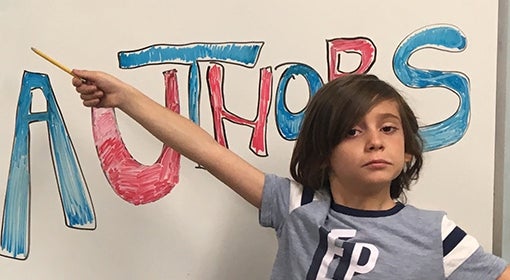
(280, 197)
(464, 258)
(300, 196)
(457, 246)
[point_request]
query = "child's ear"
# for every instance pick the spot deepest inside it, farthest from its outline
(408, 157)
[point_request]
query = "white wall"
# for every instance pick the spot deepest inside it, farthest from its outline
(201, 230)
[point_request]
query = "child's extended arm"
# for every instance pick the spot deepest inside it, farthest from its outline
(179, 133)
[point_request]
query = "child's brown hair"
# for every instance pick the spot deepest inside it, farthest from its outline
(332, 112)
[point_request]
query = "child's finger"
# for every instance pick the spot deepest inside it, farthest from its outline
(87, 89)
(92, 95)
(91, 103)
(83, 74)
(77, 82)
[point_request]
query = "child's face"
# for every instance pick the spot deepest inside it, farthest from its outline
(373, 154)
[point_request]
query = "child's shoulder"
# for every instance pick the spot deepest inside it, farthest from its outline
(423, 215)
(423, 211)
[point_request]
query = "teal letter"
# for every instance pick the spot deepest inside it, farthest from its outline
(445, 38)
(74, 194)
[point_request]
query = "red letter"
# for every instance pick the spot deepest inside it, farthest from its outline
(363, 46)
(132, 181)
(259, 125)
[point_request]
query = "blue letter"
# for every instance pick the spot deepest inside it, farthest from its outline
(73, 190)
(244, 54)
(451, 130)
(289, 123)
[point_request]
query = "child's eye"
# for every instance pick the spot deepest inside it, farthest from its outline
(353, 132)
(388, 129)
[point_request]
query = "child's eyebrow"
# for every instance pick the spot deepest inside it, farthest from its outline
(389, 116)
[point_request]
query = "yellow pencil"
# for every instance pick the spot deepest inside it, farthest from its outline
(52, 61)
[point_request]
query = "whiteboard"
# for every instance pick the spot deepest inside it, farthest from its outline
(200, 229)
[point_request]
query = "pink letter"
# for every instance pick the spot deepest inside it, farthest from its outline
(132, 181)
(259, 125)
(363, 46)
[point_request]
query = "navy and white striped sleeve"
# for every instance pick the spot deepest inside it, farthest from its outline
(464, 258)
(280, 197)
(300, 196)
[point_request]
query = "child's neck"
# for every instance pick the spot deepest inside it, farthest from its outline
(371, 198)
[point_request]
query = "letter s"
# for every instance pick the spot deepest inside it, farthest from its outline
(441, 37)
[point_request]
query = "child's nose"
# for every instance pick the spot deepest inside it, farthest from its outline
(374, 141)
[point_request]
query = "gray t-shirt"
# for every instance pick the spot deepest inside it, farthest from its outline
(318, 239)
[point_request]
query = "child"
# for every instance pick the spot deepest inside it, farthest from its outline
(340, 218)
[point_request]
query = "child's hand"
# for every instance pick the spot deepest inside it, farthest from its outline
(98, 89)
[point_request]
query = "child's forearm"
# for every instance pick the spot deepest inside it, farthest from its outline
(193, 142)
(171, 128)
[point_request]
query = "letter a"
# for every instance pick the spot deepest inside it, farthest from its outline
(73, 190)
